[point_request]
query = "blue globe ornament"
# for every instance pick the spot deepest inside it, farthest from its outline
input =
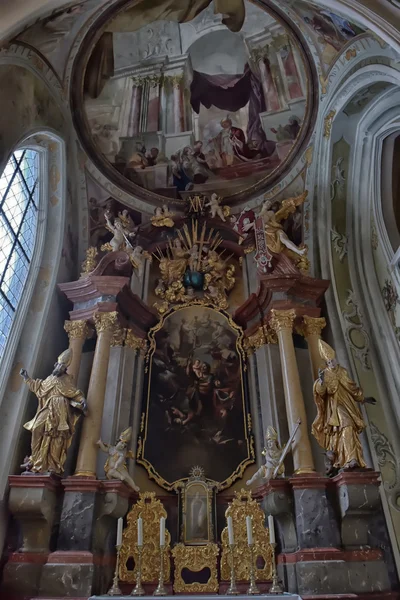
(193, 279)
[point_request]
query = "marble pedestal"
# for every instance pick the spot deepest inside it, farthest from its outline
(324, 542)
(84, 560)
(33, 502)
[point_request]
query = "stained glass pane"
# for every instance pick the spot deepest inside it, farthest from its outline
(19, 191)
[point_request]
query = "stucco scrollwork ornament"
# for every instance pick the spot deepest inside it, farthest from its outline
(328, 122)
(387, 457)
(355, 332)
(338, 182)
(340, 243)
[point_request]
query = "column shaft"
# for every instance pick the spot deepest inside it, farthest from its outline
(77, 332)
(282, 321)
(312, 333)
(268, 85)
(106, 324)
(178, 116)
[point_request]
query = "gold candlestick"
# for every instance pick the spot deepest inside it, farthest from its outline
(138, 589)
(114, 589)
(276, 587)
(232, 589)
(161, 591)
(252, 589)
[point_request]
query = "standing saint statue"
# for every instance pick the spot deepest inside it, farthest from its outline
(60, 405)
(339, 421)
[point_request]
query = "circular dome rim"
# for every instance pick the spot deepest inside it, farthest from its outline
(80, 122)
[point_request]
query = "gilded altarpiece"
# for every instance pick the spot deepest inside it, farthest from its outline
(195, 409)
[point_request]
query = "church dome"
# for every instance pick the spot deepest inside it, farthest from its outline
(168, 102)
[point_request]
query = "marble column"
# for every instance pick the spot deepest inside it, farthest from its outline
(282, 322)
(177, 95)
(107, 326)
(77, 331)
(134, 113)
(312, 327)
(268, 85)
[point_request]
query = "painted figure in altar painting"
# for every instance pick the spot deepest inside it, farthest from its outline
(115, 467)
(60, 405)
(339, 421)
(195, 403)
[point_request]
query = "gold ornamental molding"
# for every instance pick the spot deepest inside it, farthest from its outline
(151, 510)
(195, 558)
(242, 506)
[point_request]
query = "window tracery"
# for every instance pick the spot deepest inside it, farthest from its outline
(19, 201)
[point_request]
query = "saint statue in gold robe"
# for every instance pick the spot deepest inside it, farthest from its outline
(339, 420)
(60, 404)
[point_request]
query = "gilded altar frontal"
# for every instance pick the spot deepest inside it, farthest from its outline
(200, 299)
(196, 403)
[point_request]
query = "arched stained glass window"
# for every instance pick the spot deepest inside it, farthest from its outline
(19, 199)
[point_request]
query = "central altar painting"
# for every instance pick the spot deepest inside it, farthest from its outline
(195, 408)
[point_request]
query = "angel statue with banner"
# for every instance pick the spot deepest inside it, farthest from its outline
(339, 421)
(115, 467)
(274, 456)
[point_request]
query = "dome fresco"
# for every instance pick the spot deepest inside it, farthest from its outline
(170, 109)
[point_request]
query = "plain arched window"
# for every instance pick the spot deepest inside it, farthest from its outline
(19, 200)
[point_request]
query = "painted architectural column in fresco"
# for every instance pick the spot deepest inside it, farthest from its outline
(107, 327)
(134, 115)
(177, 81)
(282, 322)
(270, 92)
(312, 332)
(291, 77)
(153, 104)
(77, 331)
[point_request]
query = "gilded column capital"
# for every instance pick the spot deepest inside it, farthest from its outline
(106, 322)
(134, 342)
(119, 334)
(282, 319)
(264, 335)
(312, 325)
(77, 329)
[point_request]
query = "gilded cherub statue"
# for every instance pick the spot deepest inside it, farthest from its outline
(162, 217)
(115, 467)
(276, 238)
(274, 456)
(60, 405)
(339, 420)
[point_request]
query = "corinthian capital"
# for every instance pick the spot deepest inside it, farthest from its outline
(282, 319)
(106, 322)
(132, 341)
(77, 329)
(313, 325)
